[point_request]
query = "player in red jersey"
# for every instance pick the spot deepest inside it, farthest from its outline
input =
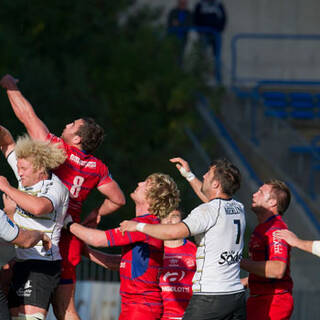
(179, 266)
(80, 173)
(269, 280)
(142, 255)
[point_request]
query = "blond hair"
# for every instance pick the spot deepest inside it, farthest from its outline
(163, 194)
(43, 155)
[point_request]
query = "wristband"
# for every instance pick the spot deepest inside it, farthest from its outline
(140, 226)
(68, 226)
(187, 174)
(316, 248)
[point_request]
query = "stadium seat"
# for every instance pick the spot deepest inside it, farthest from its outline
(275, 103)
(302, 105)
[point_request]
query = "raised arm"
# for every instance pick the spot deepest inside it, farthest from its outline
(195, 183)
(6, 141)
(35, 205)
(23, 109)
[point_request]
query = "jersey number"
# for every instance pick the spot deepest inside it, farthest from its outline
(237, 222)
(76, 187)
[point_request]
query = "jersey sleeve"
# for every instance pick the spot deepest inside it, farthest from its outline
(115, 237)
(202, 218)
(54, 139)
(104, 174)
(8, 230)
(278, 249)
(12, 160)
(54, 192)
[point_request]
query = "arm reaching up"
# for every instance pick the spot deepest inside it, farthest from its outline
(23, 109)
(6, 141)
(195, 183)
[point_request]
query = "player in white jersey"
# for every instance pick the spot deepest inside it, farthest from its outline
(10, 232)
(218, 227)
(41, 204)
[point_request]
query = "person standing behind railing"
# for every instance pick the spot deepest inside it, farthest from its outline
(210, 19)
(179, 23)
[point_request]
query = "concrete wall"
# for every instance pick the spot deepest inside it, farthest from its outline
(268, 59)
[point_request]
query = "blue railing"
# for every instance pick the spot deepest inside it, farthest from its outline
(237, 79)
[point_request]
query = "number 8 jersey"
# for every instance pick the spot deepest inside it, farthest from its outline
(218, 228)
(80, 173)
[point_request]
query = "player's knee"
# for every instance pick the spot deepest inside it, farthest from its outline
(34, 316)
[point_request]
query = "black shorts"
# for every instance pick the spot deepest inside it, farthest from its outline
(33, 283)
(226, 307)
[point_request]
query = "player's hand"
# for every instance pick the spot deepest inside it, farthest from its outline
(244, 282)
(180, 163)
(4, 184)
(9, 82)
(92, 220)
(46, 242)
(287, 236)
(9, 206)
(128, 225)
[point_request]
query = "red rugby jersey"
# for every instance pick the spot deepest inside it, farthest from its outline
(80, 173)
(141, 260)
(179, 266)
(264, 246)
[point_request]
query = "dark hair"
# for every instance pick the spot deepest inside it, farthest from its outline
(91, 135)
(281, 192)
(228, 175)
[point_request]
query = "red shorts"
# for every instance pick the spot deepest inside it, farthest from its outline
(270, 307)
(70, 250)
(140, 311)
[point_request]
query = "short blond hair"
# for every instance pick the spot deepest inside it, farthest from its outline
(163, 194)
(43, 155)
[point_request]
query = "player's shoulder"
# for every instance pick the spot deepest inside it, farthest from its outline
(190, 245)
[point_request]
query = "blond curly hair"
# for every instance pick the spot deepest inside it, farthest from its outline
(163, 194)
(43, 155)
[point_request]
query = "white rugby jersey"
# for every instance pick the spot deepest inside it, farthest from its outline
(8, 230)
(218, 227)
(50, 223)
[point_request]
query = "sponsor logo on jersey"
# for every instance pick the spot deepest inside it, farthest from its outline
(26, 290)
(175, 289)
(230, 257)
(276, 244)
(233, 208)
(87, 164)
(174, 276)
(173, 262)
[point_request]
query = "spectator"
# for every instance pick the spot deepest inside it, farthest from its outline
(179, 21)
(269, 280)
(210, 19)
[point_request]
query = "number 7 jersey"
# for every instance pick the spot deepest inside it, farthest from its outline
(80, 173)
(218, 228)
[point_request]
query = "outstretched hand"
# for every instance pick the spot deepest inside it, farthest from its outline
(287, 236)
(180, 163)
(8, 82)
(128, 225)
(46, 242)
